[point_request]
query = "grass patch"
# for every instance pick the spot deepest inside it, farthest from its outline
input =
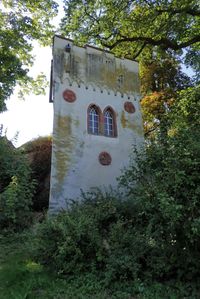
(23, 278)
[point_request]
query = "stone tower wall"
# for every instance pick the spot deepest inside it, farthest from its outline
(82, 77)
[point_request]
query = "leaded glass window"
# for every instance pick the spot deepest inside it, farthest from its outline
(108, 123)
(93, 127)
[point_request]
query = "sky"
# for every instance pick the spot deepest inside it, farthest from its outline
(32, 117)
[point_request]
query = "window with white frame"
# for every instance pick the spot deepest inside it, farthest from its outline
(93, 121)
(102, 124)
(108, 123)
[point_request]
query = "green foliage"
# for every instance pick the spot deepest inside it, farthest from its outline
(16, 201)
(164, 186)
(186, 113)
(149, 234)
(21, 22)
(95, 236)
(72, 245)
(22, 277)
(38, 152)
(16, 190)
(161, 72)
(155, 33)
(129, 27)
(112, 242)
(7, 161)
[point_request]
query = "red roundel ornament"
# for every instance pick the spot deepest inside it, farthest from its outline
(69, 95)
(105, 158)
(129, 107)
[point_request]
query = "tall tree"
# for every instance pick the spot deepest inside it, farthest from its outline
(163, 184)
(128, 27)
(161, 78)
(160, 34)
(21, 22)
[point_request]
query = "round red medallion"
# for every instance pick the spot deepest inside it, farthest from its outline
(129, 107)
(69, 95)
(105, 158)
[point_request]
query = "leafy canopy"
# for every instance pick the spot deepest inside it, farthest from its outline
(151, 231)
(128, 27)
(21, 23)
(160, 34)
(161, 79)
(16, 188)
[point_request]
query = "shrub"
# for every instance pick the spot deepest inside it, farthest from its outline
(38, 152)
(96, 235)
(164, 185)
(152, 232)
(17, 189)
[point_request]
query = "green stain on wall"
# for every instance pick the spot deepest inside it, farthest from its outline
(98, 72)
(76, 122)
(109, 79)
(64, 144)
(128, 123)
(123, 120)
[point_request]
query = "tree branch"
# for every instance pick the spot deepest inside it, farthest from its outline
(163, 42)
(156, 126)
(90, 16)
(139, 52)
(187, 10)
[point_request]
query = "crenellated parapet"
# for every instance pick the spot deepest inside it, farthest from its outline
(97, 68)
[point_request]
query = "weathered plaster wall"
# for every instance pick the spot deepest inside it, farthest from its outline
(90, 76)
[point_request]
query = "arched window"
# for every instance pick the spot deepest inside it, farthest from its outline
(103, 124)
(109, 123)
(93, 120)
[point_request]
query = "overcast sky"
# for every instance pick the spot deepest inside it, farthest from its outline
(34, 116)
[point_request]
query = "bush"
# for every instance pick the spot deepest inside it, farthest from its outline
(166, 201)
(38, 152)
(96, 235)
(151, 233)
(119, 241)
(163, 182)
(16, 190)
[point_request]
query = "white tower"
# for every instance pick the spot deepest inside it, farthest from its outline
(97, 119)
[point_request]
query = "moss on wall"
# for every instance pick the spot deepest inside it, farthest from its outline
(109, 79)
(128, 123)
(101, 71)
(64, 144)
